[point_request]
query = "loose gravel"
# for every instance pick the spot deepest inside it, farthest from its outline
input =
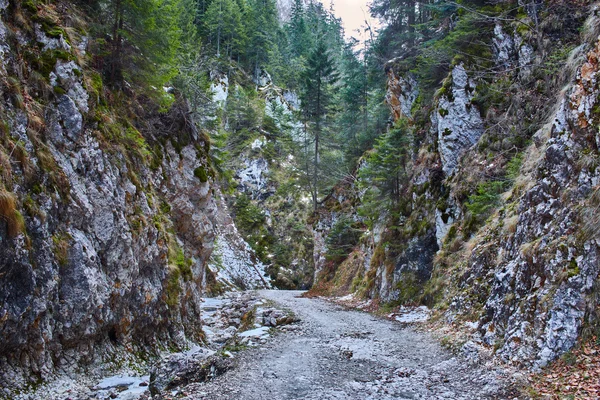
(337, 353)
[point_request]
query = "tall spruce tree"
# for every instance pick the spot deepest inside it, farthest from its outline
(318, 80)
(144, 39)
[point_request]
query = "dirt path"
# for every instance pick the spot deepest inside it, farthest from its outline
(341, 354)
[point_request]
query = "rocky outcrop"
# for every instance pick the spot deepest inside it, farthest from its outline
(541, 294)
(512, 51)
(497, 233)
(233, 262)
(109, 219)
(458, 122)
(402, 91)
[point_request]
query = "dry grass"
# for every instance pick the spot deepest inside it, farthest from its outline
(5, 169)
(61, 243)
(510, 224)
(590, 217)
(9, 213)
(529, 250)
(13, 87)
(38, 86)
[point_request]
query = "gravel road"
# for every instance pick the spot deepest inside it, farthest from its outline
(343, 354)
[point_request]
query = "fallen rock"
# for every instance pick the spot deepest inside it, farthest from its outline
(185, 368)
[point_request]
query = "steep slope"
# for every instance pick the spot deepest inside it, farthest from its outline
(494, 225)
(107, 206)
(265, 195)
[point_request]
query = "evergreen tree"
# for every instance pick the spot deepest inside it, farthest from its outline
(354, 117)
(223, 21)
(385, 170)
(145, 37)
(300, 38)
(316, 98)
(262, 28)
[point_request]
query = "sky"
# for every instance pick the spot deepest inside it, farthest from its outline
(353, 14)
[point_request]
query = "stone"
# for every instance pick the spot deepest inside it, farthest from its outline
(184, 368)
(459, 122)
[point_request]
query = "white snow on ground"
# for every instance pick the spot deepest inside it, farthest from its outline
(412, 314)
(135, 386)
(261, 332)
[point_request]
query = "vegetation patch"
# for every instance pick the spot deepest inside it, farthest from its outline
(15, 224)
(62, 243)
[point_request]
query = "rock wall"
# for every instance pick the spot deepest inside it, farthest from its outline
(496, 228)
(107, 210)
(543, 287)
(457, 120)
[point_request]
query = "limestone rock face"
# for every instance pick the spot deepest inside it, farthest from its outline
(232, 260)
(458, 120)
(402, 91)
(511, 50)
(551, 269)
(522, 279)
(116, 240)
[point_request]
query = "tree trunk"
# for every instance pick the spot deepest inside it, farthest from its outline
(411, 23)
(115, 67)
(317, 138)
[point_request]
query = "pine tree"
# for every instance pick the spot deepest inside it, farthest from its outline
(262, 28)
(145, 37)
(385, 169)
(316, 98)
(299, 34)
(223, 21)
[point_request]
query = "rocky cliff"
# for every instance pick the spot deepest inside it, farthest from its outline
(496, 226)
(108, 207)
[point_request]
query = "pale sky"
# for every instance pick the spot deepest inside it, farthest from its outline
(353, 14)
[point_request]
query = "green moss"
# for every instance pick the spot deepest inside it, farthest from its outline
(446, 89)
(36, 188)
(201, 174)
(95, 87)
(62, 244)
(173, 287)
(53, 31)
(136, 143)
(59, 90)
(165, 208)
(46, 61)
(182, 263)
(573, 268)
(157, 157)
(30, 5)
(443, 112)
